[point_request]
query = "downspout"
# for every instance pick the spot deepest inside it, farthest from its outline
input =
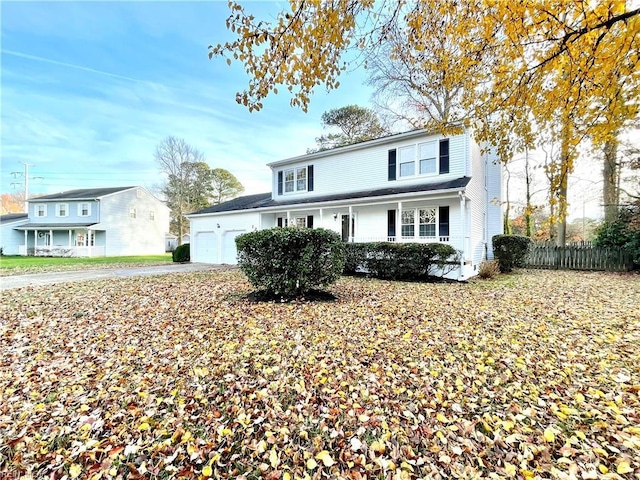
(463, 217)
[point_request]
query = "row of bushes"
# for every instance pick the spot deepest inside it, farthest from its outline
(289, 262)
(400, 261)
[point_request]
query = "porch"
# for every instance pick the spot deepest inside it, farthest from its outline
(76, 240)
(421, 219)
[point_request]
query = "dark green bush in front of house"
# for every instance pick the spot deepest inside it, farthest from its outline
(289, 262)
(510, 251)
(401, 261)
(182, 253)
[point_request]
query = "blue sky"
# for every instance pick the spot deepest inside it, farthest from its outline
(89, 89)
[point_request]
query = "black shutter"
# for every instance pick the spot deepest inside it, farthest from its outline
(309, 221)
(280, 184)
(310, 178)
(444, 156)
(280, 221)
(392, 164)
(443, 222)
(391, 223)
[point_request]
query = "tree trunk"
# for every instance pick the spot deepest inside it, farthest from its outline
(610, 174)
(561, 239)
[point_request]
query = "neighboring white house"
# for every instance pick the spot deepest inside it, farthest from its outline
(409, 187)
(90, 222)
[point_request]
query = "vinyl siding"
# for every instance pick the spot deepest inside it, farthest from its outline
(128, 236)
(72, 213)
(367, 169)
(476, 206)
(11, 239)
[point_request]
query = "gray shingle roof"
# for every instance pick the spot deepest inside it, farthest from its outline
(13, 217)
(81, 193)
(263, 200)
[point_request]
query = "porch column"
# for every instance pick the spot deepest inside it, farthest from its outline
(321, 219)
(350, 224)
(259, 221)
(26, 243)
(399, 223)
(70, 244)
(50, 239)
(35, 241)
(288, 218)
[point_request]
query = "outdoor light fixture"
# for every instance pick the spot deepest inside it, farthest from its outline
(218, 225)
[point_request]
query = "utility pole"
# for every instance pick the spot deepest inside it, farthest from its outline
(25, 175)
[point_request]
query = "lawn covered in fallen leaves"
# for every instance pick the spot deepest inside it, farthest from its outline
(531, 375)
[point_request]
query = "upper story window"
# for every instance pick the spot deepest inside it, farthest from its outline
(428, 158)
(41, 210)
(84, 209)
(62, 209)
(132, 212)
(298, 179)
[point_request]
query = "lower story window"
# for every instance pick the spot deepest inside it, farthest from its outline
(421, 220)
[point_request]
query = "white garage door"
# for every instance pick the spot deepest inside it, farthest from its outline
(206, 247)
(229, 251)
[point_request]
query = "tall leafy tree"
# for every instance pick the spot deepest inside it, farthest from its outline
(225, 186)
(188, 185)
(509, 69)
(353, 124)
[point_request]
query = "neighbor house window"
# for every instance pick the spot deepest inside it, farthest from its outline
(84, 209)
(428, 153)
(62, 209)
(152, 215)
(407, 161)
(132, 212)
(41, 210)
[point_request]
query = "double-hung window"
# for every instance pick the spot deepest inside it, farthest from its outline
(41, 210)
(62, 210)
(427, 153)
(424, 221)
(295, 180)
(132, 212)
(84, 209)
(427, 217)
(408, 223)
(407, 161)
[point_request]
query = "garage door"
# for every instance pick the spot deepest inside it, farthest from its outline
(206, 247)
(229, 251)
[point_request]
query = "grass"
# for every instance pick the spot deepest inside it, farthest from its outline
(15, 265)
(534, 374)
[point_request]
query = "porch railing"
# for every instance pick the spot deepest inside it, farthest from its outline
(60, 251)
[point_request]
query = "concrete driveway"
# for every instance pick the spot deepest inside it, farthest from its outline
(51, 278)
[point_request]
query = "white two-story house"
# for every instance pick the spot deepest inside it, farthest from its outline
(89, 222)
(409, 187)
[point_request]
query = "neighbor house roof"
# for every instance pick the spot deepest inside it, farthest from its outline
(54, 226)
(263, 200)
(13, 217)
(81, 194)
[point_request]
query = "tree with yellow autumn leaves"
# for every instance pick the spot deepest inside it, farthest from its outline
(511, 70)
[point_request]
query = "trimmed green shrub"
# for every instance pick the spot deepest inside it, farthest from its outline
(401, 261)
(182, 253)
(510, 251)
(289, 262)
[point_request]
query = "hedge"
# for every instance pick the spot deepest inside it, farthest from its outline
(182, 253)
(401, 261)
(510, 251)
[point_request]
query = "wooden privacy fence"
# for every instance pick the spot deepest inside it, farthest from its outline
(579, 256)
